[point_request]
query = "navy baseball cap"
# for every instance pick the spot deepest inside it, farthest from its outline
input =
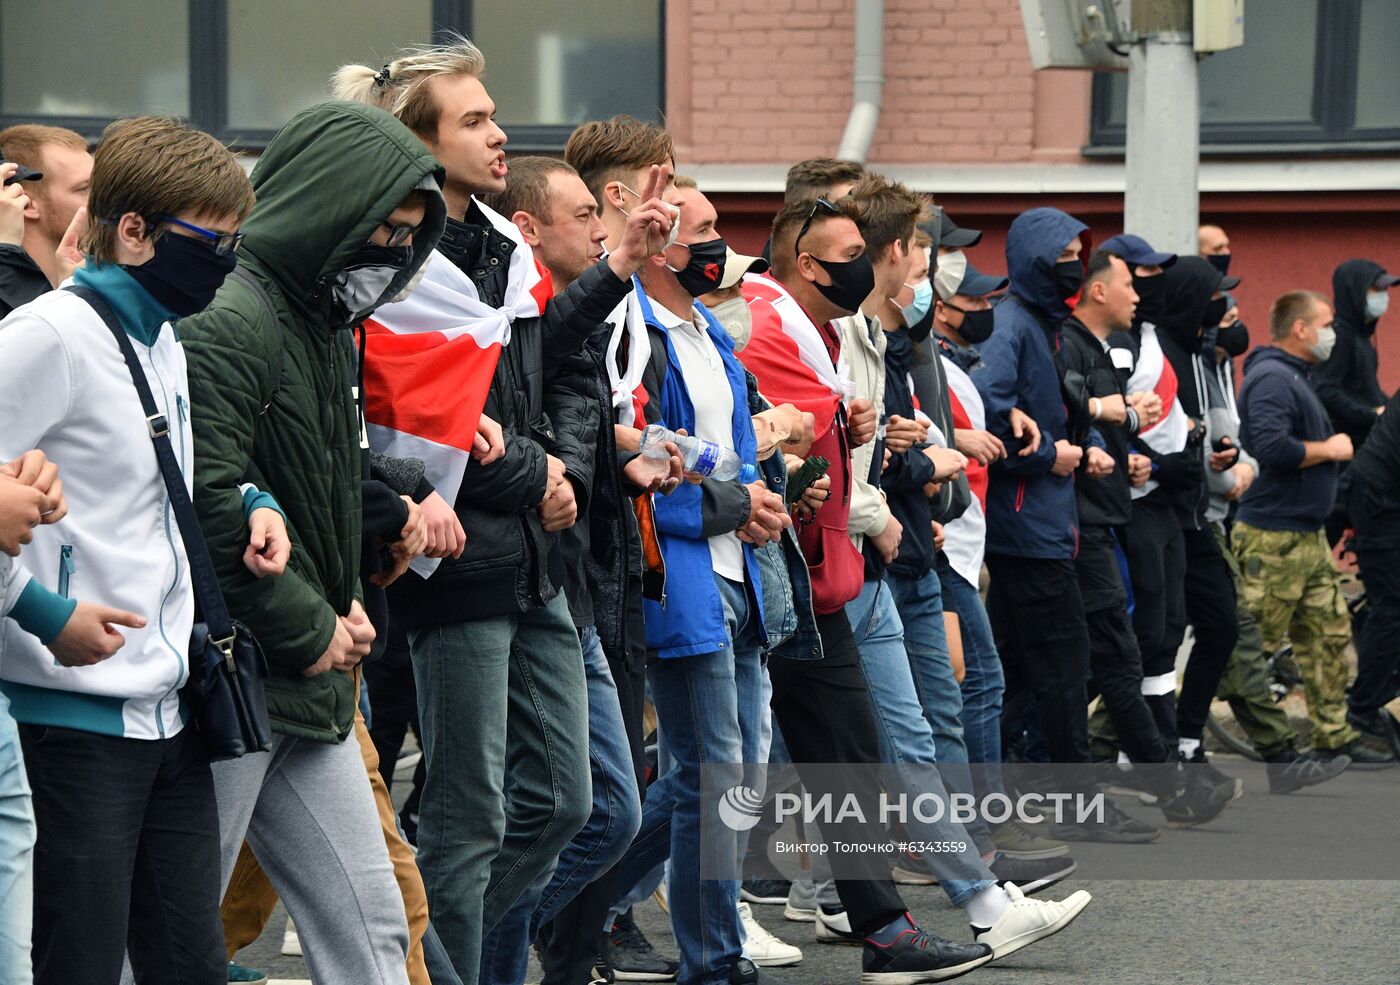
(1137, 251)
(956, 276)
(951, 234)
(23, 174)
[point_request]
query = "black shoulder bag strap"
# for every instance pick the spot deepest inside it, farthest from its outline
(208, 595)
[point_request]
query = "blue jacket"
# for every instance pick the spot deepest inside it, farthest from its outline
(1279, 410)
(1030, 512)
(692, 620)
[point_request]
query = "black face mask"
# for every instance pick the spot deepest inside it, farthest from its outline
(922, 328)
(184, 275)
(1221, 262)
(1149, 306)
(1214, 312)
(1234, 340)
(1069, 277)
(851, 282)
(977, 326)
(703, 272)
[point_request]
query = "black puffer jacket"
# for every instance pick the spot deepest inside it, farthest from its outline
(21, 280)
(505, 567)
(1346, 383)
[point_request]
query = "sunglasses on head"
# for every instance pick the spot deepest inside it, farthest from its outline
(820, 204)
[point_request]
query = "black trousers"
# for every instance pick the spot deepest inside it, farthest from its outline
(127, 860)
(393, 706)
(568, 944)
(1114, 658)
(823, 708)
(1157, 569)
(1037, 617)
(1212, 611)
(1376, 515)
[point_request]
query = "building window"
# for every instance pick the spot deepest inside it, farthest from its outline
(242, 68)
(1312, 74)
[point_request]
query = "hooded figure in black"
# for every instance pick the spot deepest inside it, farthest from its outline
(1346, 382)
(1190, 317)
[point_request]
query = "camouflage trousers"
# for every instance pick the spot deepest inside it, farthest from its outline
(1246, 682)
(1289, 583)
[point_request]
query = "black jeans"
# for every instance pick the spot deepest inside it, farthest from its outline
(823, 708)
(1376, 515)
(393, 705)
(1114, 657)
(127, 859)
(1037, 618)
(1157, 569)
(1212, 611)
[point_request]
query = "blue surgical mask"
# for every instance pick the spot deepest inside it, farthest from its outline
(915, 311)
(1376, 304)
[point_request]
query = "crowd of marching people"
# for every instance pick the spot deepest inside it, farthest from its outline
(389, 401)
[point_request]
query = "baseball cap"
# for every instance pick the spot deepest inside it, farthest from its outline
(736, 265)
(956, 276)
(1228, 283)
(951, 234)
(23, 174)
(1384, 279)
(1137, 251)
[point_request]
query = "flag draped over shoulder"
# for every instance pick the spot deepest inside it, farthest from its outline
(430, 359)
(629, 397)
(787, 355)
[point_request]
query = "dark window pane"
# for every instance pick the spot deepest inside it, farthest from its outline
(281, 55)
(1378, 65)
(1270, 78)
(555, 63)
(74, 58)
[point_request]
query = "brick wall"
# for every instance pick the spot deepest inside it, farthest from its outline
(770, 81)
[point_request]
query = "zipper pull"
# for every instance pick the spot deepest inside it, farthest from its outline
(65, 568)
(180, 407)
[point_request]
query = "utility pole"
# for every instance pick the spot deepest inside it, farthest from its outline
(1164, 127)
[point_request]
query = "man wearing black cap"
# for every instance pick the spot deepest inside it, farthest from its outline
(1093, 387)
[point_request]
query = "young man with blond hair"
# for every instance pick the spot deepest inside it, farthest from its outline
(496, 657)
(56, 196)
(127, 859)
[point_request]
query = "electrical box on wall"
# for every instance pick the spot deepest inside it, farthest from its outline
(1217, 25)
(1077, 33)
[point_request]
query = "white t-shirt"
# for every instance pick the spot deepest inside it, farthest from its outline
(965, 538)
(703, 369)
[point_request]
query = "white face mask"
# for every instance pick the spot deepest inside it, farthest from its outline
(675, 211)
(1376, 304)
(1322, 348)
(736, 318)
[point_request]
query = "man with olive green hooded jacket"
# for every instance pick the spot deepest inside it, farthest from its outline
(273, 367)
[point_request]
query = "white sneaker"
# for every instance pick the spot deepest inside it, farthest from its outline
(761, 947)
(1027, 921)
(291, 943)
(835, 928)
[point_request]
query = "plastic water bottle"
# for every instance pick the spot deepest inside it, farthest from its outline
(701, 457)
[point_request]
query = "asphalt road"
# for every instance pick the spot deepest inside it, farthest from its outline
(1148, 930)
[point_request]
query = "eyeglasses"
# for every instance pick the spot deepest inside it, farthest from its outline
(398, 235)
(222, 243)
(820, 203)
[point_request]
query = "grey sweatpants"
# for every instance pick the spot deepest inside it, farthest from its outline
(309, 815)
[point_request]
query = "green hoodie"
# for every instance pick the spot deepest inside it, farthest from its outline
(272, 382)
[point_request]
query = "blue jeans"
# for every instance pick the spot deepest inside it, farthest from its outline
(906, 738)
(16, 856)
(491, 692)
(983, 684)
(617, 814)
(709, 707)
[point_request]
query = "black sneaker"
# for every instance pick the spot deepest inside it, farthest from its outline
(1117, 828)
(773, 892)
(1289, 771)
(918, 956)
(1365, 754)
(1202, 799)
(745, 972)
(1378, 727)
(632, 958)
(1202, 765)
(1032, 875)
